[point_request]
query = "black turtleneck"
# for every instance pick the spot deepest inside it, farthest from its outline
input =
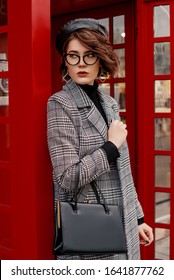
(92, 92)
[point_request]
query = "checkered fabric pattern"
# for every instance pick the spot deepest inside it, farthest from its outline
(76, 132)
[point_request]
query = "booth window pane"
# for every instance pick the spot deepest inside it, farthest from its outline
(105, 22)
(162, 58)
(162, 134)
(4, 97)
(6, 230)
(162, 208)
(123, 119)
(162, 244)
(3, 12)
(162, 21)
(105, 88)
(3, 52)
(118, 30)
(162, 171)
(4, 142)
(5, 190)
(162, 90)
(121, 56)
(120, 95)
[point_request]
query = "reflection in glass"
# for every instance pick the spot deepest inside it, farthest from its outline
(121, 56)
(118, 30)
(162, 171)
(162, 96)
(3, 62)
(105, 88)
(105, 22)
(162, 244)
(4, 142)
(3, 88)
(5, 186)
(162, 208)
(4, 97)
(3, 52)
(123, 119)
(3, 12)
(162, 58)
(162, 21)
(162, 134)
(120, 95)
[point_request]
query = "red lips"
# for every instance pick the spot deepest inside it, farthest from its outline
(82, 73)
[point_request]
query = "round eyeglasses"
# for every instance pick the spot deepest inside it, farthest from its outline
(73, 59)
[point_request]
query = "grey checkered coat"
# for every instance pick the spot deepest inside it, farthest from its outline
(76, 131)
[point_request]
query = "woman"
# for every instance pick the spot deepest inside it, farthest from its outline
(85, 130)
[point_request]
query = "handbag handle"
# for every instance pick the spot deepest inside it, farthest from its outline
(94, 188)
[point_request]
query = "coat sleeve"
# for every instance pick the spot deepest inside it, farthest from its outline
(63, 126)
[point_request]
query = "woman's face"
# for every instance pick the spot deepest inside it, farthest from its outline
(81, 73)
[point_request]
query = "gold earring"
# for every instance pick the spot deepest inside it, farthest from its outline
(102, 76)
(65, 76)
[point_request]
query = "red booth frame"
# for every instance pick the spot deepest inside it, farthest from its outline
(30, 213)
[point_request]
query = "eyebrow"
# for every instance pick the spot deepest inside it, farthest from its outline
(76, 52)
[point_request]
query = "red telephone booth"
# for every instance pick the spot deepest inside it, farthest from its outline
(142, 34)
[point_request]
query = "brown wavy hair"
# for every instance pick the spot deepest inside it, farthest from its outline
(97, 43)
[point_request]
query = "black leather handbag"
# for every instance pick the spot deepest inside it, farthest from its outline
(83, 228)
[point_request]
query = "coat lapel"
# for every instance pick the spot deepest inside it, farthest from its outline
(83, 101)
(107, 105)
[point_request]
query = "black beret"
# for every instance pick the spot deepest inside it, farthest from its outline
(76, 24)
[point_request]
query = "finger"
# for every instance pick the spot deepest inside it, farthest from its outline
(144, 236)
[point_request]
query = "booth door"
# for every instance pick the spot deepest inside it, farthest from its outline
(155, 117)
(119, 20)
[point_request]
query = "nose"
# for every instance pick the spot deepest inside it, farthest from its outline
(81, 62)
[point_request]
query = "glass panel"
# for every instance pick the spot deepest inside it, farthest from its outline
(4, 186)
(161, 21)
(162, 171)
(118, 30)
(162, 134)
(162, 208)
(4, 142)
(105, 88)
(162, 244)
(162, 96)
(3, 52)
(6, 231)
(105, 22)
(162, 58)
(120, 95)
(3, 12)
(121, 55)
(4, 97)
(123, 119)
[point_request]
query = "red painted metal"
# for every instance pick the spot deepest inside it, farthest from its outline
(28, 219)
(71, 6)
(144, 117)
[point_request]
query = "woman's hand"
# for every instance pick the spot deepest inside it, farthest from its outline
(146, 234)
(117, 133)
